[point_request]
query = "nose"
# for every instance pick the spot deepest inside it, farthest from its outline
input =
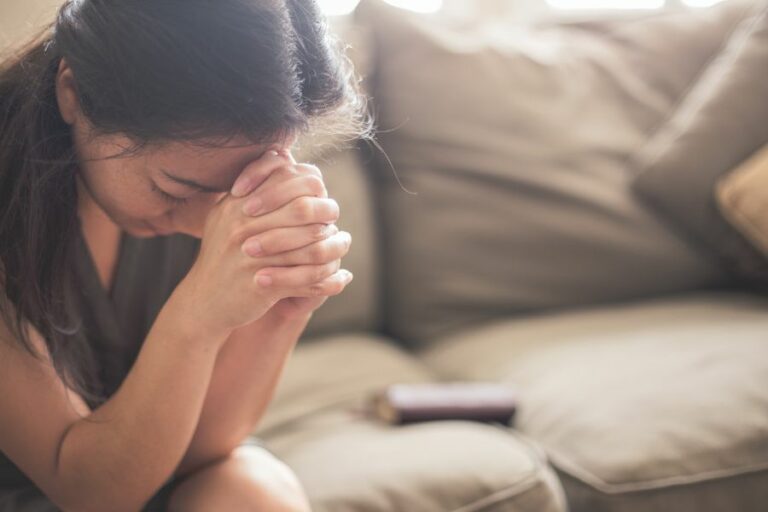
(190, 218)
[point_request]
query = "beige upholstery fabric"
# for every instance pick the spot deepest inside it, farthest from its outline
(650, 406)
(347, 180)
(742, 196)
(349, 463)
(358, 307)
(516, 143)
(340, 370)
(719, 124)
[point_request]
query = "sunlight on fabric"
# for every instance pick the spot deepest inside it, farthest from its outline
(341, 7)
(607, 4)
(701, 3)
(418, 5)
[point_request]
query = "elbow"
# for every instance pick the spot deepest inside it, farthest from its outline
(207, 450)
(115, 491)
(95, 489)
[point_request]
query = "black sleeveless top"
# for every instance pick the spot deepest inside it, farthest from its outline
(116, 322)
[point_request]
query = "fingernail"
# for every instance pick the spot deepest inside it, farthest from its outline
(264, 280)
(253, 206)
(241, 186)
(252, 247)
(347, 275)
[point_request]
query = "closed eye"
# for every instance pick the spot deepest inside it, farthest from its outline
(168, 197)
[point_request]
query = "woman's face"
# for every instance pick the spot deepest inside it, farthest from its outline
(160, 190)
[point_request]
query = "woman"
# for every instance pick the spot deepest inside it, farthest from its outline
(135, 359)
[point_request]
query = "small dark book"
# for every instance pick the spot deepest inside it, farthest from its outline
(401, 404)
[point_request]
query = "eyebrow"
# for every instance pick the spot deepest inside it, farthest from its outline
(193, 184)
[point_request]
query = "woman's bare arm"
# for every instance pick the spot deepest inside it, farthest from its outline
(246, 374)
(127, 448)
(251, 361)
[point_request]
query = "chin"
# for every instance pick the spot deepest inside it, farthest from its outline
(140, 233)
(144, 230)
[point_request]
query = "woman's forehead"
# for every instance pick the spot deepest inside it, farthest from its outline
(217, 167)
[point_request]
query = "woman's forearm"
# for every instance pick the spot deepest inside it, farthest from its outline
(244, 380)
(123, 452)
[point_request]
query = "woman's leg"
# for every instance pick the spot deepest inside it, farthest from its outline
(249, 479)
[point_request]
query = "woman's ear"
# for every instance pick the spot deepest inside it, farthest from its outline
(66, 93)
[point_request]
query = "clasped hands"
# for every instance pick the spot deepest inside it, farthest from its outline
(271, 245)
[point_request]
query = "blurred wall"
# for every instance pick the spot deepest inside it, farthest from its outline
(21, 18)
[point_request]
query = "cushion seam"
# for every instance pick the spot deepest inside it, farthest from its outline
(567, 466)
(510, 492)
(506, 494)
(749, 10)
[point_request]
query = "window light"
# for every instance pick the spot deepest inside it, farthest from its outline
(610, 4)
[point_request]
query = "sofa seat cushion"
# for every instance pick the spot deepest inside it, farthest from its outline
(664, 401)
(348, 462)
(340, 370)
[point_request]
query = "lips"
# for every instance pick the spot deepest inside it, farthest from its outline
(159, 231)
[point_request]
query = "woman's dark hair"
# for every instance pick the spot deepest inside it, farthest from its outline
(157, 71)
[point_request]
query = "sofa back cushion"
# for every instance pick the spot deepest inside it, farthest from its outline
(347, 180)
(510, 147)
(719, 124)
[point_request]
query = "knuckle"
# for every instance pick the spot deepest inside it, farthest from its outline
(316, 289)
(317, 252)
(311, 169)
(319, 273)
(315, 185)
(303, 208)
(318, 231)
(239, 234)
(291, 170)
(333, 209)
(284, 172)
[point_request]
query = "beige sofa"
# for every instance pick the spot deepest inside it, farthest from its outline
(508, 245)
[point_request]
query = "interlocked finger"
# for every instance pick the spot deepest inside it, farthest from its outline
(298, 277)
(280, 240)
(332, 248)
(269, 198)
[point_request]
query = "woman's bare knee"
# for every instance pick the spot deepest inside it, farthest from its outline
(249, 479)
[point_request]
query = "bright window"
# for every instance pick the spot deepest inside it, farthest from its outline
(606, 4)
(626, 4)
(339, 7)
